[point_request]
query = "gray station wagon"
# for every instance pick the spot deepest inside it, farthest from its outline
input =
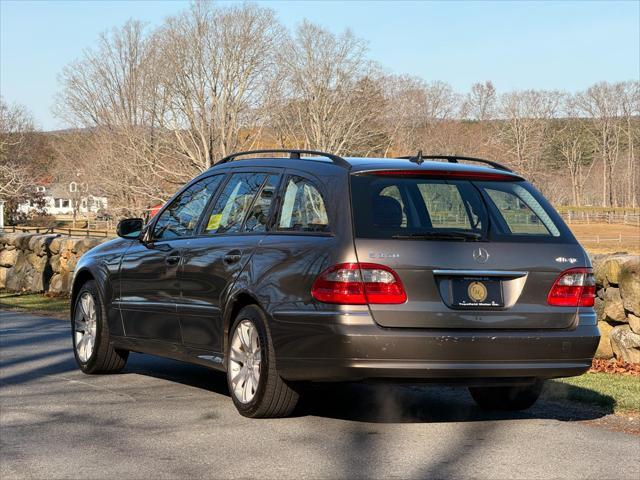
(309, 267)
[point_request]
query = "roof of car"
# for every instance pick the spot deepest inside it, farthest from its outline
(362, 164)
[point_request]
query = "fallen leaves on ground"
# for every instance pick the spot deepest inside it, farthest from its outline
(615, 366)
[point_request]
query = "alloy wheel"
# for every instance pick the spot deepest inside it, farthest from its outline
(85, 327)
(244, 361)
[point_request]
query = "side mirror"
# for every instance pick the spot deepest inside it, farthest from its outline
(130, 228)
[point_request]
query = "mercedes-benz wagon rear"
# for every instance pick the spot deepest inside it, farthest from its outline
(280, 271)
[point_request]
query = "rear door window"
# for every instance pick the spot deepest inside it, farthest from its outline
(303, 209)
(233, 203)
(258, 217)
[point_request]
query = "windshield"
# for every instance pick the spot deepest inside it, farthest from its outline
(449, 209)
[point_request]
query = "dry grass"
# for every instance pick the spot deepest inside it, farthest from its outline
(607, 238)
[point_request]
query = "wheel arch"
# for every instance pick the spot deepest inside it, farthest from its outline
(235, 303)
(80, 278)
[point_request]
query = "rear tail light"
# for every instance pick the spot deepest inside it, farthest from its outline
(575, 287)
(359, 284)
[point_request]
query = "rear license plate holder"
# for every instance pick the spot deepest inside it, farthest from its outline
(474, 293)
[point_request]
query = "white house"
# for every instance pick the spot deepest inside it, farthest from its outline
(60, 199)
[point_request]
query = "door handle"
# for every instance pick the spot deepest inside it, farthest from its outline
(172, 260)
(233, 256)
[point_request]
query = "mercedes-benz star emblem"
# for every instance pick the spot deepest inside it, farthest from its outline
(480, 255)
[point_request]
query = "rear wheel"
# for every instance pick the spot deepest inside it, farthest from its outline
(515, 397)
(92, 348)
(254, 384)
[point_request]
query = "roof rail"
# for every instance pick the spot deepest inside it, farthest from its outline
(293, 153)
(419, 158)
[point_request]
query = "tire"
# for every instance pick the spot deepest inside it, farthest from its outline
(273, 397)
(102, 356)
(510, 398)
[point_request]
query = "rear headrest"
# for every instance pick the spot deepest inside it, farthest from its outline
(387, 212)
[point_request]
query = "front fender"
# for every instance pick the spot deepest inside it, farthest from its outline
(104, 270)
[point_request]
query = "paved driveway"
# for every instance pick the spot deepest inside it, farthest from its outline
(166, 419)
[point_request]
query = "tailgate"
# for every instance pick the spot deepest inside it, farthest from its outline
(473, 285)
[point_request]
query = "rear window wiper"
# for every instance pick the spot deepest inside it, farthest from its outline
(466, 236)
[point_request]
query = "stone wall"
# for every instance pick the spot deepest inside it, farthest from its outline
(618, 306)
(40, 263)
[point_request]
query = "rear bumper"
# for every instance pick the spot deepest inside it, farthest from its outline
(337, 346)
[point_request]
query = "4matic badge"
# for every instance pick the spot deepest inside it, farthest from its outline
(566, 260)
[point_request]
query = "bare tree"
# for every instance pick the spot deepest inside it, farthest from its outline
(154, 107)
(630, 113)
(15, 125)
(523, 132)
(327, 91)
(575, 148)
(163, 105)
(420, 114)
(15, 122)
(218, 64)
(601, 106)
(22, 157)
(480, 102)
(114, 91)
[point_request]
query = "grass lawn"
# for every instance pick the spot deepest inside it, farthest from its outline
(611, 392)
(34, 302)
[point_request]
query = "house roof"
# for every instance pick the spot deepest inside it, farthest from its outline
(61, 190)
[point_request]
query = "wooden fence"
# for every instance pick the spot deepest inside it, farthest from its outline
(621, 239)
(71, 232)
(618, 216)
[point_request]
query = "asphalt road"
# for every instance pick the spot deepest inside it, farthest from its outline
(166, 419)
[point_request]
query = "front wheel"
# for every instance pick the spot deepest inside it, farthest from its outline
(254, 384)
(92, 347)
(515, 397)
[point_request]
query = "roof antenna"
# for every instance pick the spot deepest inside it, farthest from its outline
(418, 158)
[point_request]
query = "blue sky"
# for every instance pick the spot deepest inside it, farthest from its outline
(564, 45)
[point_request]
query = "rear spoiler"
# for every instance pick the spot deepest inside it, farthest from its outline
(444, 174)
(419, 158)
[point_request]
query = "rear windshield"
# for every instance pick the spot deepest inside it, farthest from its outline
(456, 209)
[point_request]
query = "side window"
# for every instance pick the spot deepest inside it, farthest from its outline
(303, 209)
(521, 211)
(259, 214)
(234, 202)
(181, 217)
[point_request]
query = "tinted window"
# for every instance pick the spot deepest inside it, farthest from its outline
(388, 206)
(234, 202)
(259, 214)
(302, 209)
(393, 192)
(445, 205)
(521, 213)
(180, 219)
